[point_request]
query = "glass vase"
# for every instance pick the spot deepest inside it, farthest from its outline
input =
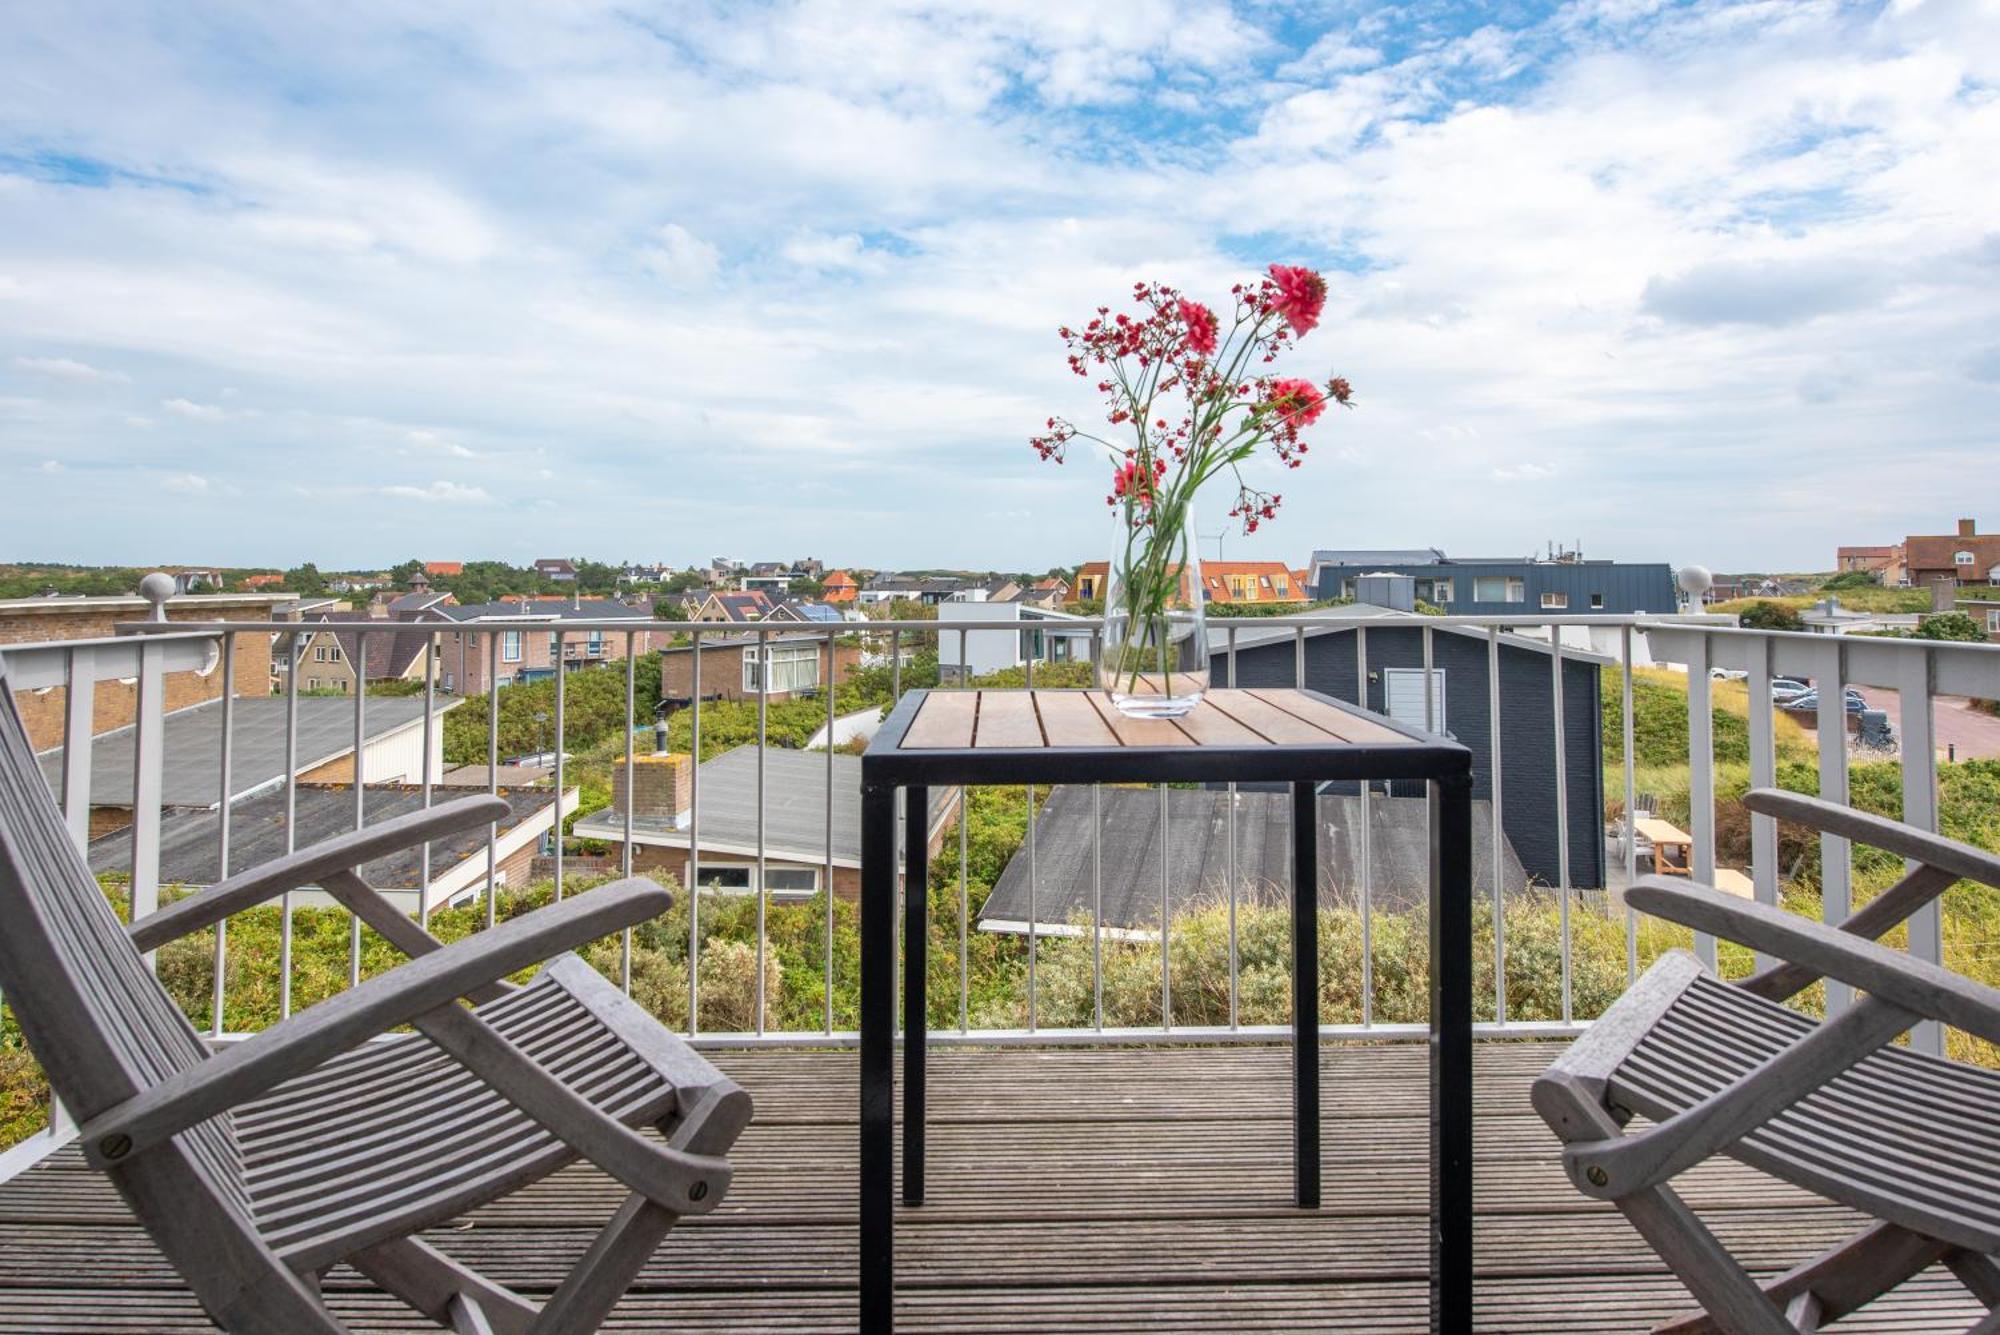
(1154, 660)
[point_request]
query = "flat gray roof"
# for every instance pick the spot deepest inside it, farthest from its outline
(1198, 856)
(794, 807)
(189, 840)
(191, 772)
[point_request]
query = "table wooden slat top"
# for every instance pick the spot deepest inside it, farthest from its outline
(981, 720)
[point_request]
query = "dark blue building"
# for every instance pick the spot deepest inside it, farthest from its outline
(1462, 709)
(1563, 586)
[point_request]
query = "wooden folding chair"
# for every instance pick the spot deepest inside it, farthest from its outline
(1909, 1139)
(258, 1167)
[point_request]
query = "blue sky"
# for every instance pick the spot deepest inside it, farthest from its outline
(1711, 283)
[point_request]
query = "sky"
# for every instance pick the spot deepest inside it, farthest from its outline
(1710, 283)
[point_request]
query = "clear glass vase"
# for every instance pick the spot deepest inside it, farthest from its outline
(1154, 660)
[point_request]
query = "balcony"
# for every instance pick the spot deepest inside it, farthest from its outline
(1102, 1158)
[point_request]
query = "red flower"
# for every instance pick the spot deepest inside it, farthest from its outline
(1301, 296)
(1201, 327)
(1299, 402)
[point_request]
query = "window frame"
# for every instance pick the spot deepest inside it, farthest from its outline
(1555, 602)
(1438, 725)
(510, 646)
(1514, 589)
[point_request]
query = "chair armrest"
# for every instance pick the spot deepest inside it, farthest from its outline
(309, 865)
(312, 1036)
(1912, 984)
(1974, 864)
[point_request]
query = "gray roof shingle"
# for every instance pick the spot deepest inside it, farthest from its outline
(191, 769)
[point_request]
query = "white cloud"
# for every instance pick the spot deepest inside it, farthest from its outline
(65, 368)
(50, 466)
(834, 240)
(680, 258)
(448, 493)
(188, 484)
(196, 412)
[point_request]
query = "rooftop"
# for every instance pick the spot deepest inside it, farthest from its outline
(189, 842)
(192, 746)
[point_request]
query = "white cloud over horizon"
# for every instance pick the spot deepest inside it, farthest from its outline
(1705, 283)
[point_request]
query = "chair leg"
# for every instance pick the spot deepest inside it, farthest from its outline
(596, 1283)
(1840, 1279)
(1723, 1288)
(439, 1287)
(1978, 1273)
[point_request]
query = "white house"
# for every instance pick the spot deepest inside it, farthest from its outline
(1046, 636)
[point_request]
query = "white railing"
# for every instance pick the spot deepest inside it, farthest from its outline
(1917, 671)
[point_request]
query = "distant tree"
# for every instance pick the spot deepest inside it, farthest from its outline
(305, 579)
(682, 581)
(405, 574)
(805, 588)
(594, 578)
(1950, 626)
(1764, 615)
(1853, 579)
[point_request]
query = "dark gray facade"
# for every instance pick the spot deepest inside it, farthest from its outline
(1527, 726)
(1513, 588)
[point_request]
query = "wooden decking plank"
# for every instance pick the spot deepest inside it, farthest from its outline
(1341, 723)
(1137, 731)
(1069, 720)
(1207, 724)
(1284, 729)
(944, 720)
(1006, 720)
(1069, 1189)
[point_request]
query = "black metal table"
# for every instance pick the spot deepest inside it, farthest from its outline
(978, 738)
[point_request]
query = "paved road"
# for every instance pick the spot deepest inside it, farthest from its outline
(1973, 734)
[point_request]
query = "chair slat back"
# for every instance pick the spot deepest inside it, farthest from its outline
(99, 1022)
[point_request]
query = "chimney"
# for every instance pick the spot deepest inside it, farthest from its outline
(1968, 528)
(662, 788)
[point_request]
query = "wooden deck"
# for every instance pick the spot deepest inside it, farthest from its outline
(1101, 1190)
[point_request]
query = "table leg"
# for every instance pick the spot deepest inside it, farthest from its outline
(916, 951)
(1451, 1053)
(878, 1059)
(1305, 995)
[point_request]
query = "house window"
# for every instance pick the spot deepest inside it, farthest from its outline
(596, 642)
(729, 880)
(795, 882)
(1284, 587)
(1993, 621)
(1499, 589)
(1403, 690)
(1597, 600)
(555, 645)
(510, 646)
(793, 667)
(1555, 600)
(1963, 558)
(1264, 581)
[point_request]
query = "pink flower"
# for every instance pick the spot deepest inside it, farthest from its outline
(1201, 327)
(1299, 402)
(1301, 296)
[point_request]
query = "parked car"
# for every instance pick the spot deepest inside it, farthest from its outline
(1856, 703)
(1784, 688)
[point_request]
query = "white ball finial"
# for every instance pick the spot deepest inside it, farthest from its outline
(1695, 581)
(156, 588)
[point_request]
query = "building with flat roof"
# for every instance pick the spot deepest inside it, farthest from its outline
(1565, 584)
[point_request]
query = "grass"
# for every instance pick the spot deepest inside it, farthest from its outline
(1863, 599)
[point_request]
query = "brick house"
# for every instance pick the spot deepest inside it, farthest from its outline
(31, 620)
(557, 569)
(1886, 562)
(796, 854)
(729, 667)
(1965, 557)
(530, 652)
(741, 608)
